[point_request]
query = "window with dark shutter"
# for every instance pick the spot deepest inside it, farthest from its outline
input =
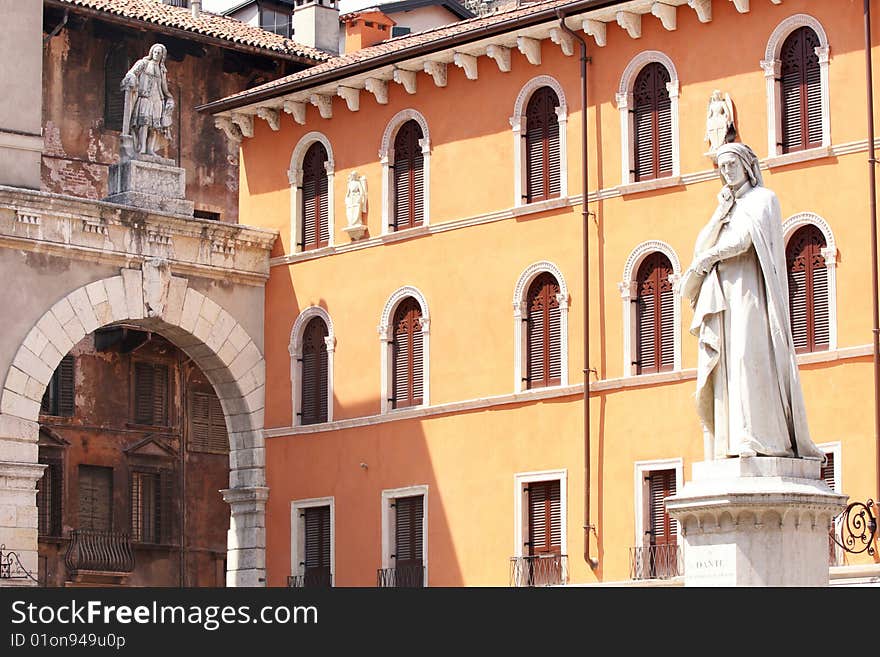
(152, 509)
(317, 546)
(207, 424)
(543, 333)
(408, 177)
(408, 539)
(543, 173)
(58, 399)
(652, 124)
(116, 67)
(808, 290)
(151, 393)
(828, 471)
(801, 92)
(315, 201)
(314, 372)
(407, 355)
(655, 316)
(50, 491)
(545, 518)
(662, 530)
(95, 498)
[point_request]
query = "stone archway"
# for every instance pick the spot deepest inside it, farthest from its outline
(207, 333)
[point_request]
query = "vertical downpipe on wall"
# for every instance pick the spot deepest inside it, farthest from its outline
(588, 527)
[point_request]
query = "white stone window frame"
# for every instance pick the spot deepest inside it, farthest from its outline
(520, 312)
(521, 480)
(789, 228)
(772, 66)
(518, 123)
(386, 157)
(641, 495)
(295, 349)
(295, 178)
(836, 451)
(389, 525)
(628, 288)
(624, 99)
(298, 534)
(386, 336)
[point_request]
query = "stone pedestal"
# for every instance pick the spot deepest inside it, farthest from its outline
(755, 521)
(151, 183)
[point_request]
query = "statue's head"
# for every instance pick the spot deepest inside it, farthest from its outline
(352, 176)
(716, 95)
(158, 52)
(738, 163)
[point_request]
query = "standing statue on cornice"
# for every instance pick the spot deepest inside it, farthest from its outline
(149, 106)
(719, 121)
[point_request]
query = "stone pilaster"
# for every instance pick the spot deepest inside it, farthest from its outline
(18, 511)
(246, 543)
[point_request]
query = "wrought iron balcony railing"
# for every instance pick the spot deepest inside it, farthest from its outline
(314, 579)
(99, 551)
(655, 562)
(401, 577)
(539, 570)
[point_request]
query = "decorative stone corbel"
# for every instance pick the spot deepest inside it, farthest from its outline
(227, 126)
(501, 55)
(597, 30)
(436, 70)
(324, 105)
(156, 280)
(742, 6)
(466, 62)
(630, 22)
(406, 78)
(351, 96)
(379, 88)
(703, 9)
(270, 116)
(245, 123)
(531, 48)
(667, 14)
(563, 40)
(297, 110)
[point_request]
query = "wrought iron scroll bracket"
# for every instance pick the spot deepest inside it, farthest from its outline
(857, 526)
(11, 566)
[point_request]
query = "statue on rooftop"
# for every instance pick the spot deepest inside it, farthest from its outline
(149, 107)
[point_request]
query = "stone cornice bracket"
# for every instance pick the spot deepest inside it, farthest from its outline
(324, 105)
(703, 9)
(270, 116)
(597, 30)
(466, 62)
(531, 48)
(742, 6)
(245, 123)
(379, 88)
(630, 22)
(501, 55)
(351, 96)
(406, 78)
(563, 40)
(436, 70)
(668, 15)
(227, 126)
(297, 110)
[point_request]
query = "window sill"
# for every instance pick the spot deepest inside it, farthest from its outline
(649, 185)
(798, 157)
(405, 234)
(324, 250)
(540, 206)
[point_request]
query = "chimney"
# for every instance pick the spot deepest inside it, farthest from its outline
(195, 6)
(366, 28)
(316, 24)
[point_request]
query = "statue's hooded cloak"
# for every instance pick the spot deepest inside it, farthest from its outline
(762, 208)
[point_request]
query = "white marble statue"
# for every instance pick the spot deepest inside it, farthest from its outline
(355, 198)
(719, 119)
(749, 397)
(149, 107)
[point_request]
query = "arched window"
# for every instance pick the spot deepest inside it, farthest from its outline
(652, 124)
(407, 355)
(808, 290)
(409, 180)
(801, 91)
(315, 204)
(655, 334)
(542, 146)
(314, 372)
(116, 68)
(543, 333)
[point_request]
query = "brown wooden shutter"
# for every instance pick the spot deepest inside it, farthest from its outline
(317, 545)
(801, 91)
(409, 522)
(207, 424)
(315, 201)
(545, 517)
(95, 498)
(59, 397)
(652, 123)
(314, 372)
(543, 333)
(409, 177)
(543, 161)
(166, 507)
(655, 316)
(50, 491)
(151, 384)
(828, 471)
(145, 507)
(407, 355)
(661, 484)
(808, 290)
(114, 97)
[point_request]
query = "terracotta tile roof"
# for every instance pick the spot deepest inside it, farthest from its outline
(211, 25)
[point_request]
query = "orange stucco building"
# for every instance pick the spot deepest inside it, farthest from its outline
(453, 437)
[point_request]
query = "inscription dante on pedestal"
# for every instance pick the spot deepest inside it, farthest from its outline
(713, 563)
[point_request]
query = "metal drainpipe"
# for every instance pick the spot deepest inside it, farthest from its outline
(593, 563)
(872, 187)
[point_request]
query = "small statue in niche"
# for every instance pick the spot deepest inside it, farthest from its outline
(149, 107)
(355, 204)
(719, 121)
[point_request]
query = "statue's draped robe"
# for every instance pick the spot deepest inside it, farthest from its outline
(748, 389)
